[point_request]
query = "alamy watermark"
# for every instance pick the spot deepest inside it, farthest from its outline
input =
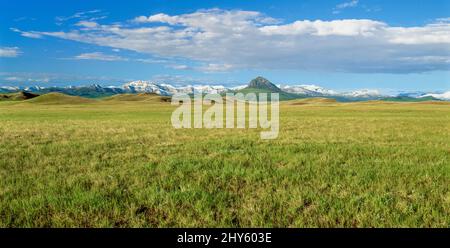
(232, 107)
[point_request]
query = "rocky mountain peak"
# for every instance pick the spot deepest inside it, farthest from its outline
(262, 83)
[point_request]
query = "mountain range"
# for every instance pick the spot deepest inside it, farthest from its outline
(256, 85)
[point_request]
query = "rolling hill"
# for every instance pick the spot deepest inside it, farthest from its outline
(19, 96)
(91, 91)
(59, 98)
(138, 97)
(315, 100)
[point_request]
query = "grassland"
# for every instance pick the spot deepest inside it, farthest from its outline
(116, 163)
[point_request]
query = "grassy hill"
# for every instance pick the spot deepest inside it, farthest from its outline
(59, 98)
(138, 97)
(18, 96)
(314, 100)
(92, 91)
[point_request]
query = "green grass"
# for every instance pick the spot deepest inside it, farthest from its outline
(121, 164)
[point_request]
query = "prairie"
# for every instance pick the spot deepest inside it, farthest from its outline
(112, 163)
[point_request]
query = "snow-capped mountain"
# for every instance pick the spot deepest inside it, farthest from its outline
(420, 94)
(145, 86)
(240, 87)
(167, 89)
(443, 96)
(414, 94)
(312, 90)
(203, 89)
(363, 93)
(8, 89)
(34, 88)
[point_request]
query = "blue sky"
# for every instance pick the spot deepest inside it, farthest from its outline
(343, 45)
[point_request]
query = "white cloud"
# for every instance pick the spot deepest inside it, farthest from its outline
(438, 33)
(231, 40)
(78, 15)
(326, 28)
(184, 80)
(215, 67)
(9, 52)
(14, 79)
(153, 61)
(99, 56)
(179, 67)
(25, 77)
(87, 24)
(209, 18)
(33, 35)
(157, 18)
(345, 5)
(443, 20)
(53, 79)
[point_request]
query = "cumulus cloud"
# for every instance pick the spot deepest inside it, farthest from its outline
(9, 52)
(234, 39)
(326, 28)
(438, 33)
(99, 56)
(209, 18)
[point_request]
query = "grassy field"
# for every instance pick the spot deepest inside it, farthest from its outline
(120, 163)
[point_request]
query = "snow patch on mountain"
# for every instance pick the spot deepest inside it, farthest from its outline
(312, 90)
(240, 87)
(8, 88)
(366, 93)
(167, 89)
(443, 96)
(34, 88)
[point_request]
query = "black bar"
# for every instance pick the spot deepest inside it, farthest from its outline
(276, 237)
